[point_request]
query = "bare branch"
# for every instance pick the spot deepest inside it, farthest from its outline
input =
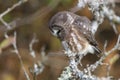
(32, 52)
(20, 58)
(13, 7)
(100, 10)
(9, 10)
(42, 12)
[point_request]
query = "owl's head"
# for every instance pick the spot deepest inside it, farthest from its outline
(59, 24)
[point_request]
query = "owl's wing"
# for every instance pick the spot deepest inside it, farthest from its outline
(84, 26)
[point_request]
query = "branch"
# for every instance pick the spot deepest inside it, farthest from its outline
(9, 10)
(19, 56)
(100, 10)
(42, 12)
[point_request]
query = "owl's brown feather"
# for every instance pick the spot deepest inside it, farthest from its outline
(85, 30)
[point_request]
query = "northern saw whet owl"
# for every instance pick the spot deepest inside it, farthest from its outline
(74, 32)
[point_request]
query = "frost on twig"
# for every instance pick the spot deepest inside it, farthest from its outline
(72, 72)
(36, 69)
(66, 74)
(100, 9)
(33, 41)
(38, 66)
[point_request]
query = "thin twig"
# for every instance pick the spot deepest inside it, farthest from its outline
(115, 47)
(9, 10)
(20, 58)
(114, 27)
(33, 41)
(13, 7)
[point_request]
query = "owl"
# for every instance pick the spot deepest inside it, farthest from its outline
(74, 32)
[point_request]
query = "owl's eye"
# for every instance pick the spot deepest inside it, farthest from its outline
(56, 30)
(59, 33)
